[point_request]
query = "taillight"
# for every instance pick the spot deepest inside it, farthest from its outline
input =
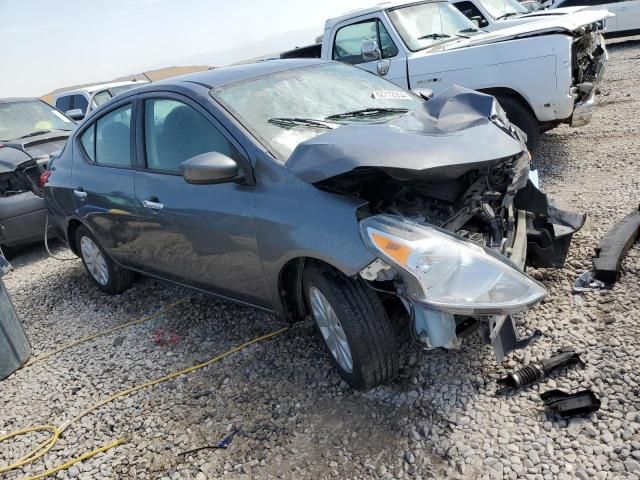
(44, 178)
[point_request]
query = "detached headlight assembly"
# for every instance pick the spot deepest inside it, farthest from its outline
(448, 273)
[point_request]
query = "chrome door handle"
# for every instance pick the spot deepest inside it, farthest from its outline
(152, 205)
(81, 194)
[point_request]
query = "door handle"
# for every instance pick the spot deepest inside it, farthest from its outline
(80, 193)
(153, 205)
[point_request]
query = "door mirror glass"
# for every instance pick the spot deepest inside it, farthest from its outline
(370, 51)
(75, 114)
(209, 168)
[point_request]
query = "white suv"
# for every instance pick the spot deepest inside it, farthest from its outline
(78, 103)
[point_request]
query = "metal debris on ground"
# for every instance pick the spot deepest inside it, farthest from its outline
(587, 282)
(570, 404)
(535, 371)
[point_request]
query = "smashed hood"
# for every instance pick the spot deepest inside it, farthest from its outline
(565, 24)
(454, 132)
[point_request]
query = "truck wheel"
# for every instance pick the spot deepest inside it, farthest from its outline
(108, 276)
(521, 116)
(354, 326)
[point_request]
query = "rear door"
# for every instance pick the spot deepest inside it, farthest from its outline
(201, 235)
(349, 38)
(103, 181)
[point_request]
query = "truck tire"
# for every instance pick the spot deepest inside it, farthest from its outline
(102, 271)
(353, 325)
(521, 117)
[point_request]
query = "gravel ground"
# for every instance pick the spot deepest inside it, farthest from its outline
(440, 418)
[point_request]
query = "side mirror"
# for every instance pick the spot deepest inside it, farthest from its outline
(209, 168)
(476, 20)
(424, 93)
(370, 51)
(75, 114)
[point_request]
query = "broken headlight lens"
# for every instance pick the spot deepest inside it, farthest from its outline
(447, 272)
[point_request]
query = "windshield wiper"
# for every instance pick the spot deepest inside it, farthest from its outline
(469, 30)
(507, 15)
(291, 122)
(434, 36)
(41, 132)
(367, 113)
(33, 134)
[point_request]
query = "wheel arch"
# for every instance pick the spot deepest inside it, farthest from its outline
(72, 228)
(505, 91)
(291, 303)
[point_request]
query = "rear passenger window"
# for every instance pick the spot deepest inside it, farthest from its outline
(108, 140)
(175, 132)
(64, 104)
(79, 101)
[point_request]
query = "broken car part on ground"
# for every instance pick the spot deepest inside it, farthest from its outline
(571, 404)
(536, 371)
(421, 210)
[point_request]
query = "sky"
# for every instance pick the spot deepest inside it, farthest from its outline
(49, 44)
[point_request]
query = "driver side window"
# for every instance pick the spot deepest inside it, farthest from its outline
(175, 132)
(347, 46)
(472, 12)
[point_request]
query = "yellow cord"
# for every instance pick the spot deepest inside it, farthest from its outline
(56, 432)
(44, 356)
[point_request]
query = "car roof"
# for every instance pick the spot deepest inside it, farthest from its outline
(101, 86)
(235, 73)
(373, 9)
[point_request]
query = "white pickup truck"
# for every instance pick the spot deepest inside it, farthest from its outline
(543, 73)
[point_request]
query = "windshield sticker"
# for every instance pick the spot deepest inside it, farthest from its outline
(394, 94)
(60, 116)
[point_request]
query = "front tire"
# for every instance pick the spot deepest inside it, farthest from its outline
(102, 271)
(354, 326)
(521, 117)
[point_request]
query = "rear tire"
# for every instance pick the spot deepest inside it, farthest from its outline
(521, 117)
(102, 271)
(360, 326)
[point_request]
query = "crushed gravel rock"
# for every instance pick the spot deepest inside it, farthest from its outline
(440, 418)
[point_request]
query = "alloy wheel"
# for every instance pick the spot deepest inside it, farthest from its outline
(331, 329)
(94, 260)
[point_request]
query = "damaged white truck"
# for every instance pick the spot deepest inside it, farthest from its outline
(543, 73)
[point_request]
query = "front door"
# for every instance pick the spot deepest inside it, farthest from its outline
(103, 183)
(201, 235)
(348, 43)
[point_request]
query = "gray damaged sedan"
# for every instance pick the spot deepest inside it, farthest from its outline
(305, 187)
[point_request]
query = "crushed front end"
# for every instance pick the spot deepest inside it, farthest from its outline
(452, 240)
(589, 57)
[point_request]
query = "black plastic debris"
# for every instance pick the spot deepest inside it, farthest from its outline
(570, 404)
(535, 371)
(614, 247)
(588, 282)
